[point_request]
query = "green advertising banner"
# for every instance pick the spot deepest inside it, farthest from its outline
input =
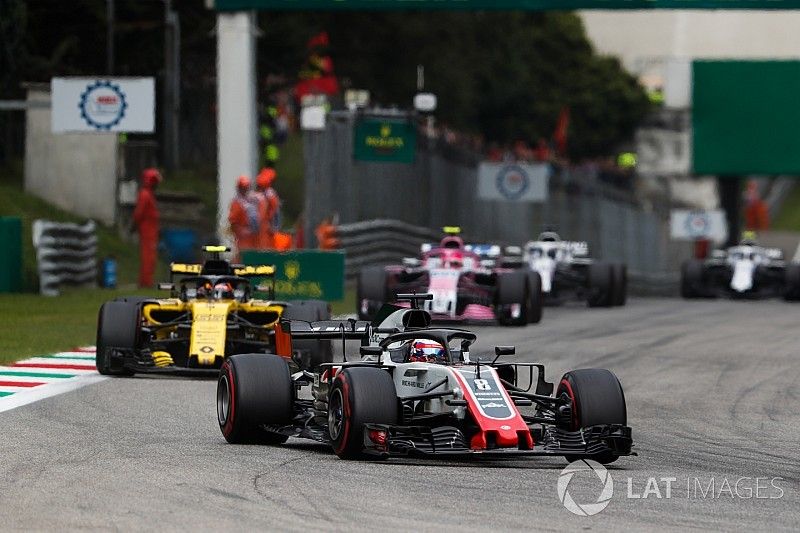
(384, 140)
(528, 5)
(745, 117)
(303, 274)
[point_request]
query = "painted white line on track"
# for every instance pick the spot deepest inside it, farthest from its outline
(34, 379)
(63, 361)
(46, 391)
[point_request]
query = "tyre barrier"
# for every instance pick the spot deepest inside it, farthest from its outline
(66, 254)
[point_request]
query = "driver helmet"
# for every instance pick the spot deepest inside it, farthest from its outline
(427, 351)
(223, 290)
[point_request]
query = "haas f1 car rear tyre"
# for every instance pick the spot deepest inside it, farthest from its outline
(359, 396)
(620, 274)
(117, 328)
(512, 290)
(253, 390)
(312, 352)
(535, 298)
(372, 288)
(595, 397)
(601, 285)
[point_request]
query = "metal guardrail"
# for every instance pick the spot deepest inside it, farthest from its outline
(380, 242)
(66, 254)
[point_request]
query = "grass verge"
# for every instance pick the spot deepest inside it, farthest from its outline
(38, 325)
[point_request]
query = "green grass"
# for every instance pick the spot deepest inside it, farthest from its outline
(788, 218)
(38, 325)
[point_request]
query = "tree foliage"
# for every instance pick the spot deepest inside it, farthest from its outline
(505, 75)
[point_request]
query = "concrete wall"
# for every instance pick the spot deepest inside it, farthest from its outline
(75, 171)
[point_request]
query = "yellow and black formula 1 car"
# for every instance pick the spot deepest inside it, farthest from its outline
(210, 315)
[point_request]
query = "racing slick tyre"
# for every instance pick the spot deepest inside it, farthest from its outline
(601, 285)
(535, 298)
(692, 278)
(596, 398)
(620, 274)
(372, 288)
(792, 282)
(253, 390)
(312, 352)
(359, 396)
(512, 288)
(117, 328)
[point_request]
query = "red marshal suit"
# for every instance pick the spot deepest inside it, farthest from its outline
(145, 216)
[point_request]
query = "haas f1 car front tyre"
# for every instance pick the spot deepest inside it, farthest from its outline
(594, 398)
(359, 396)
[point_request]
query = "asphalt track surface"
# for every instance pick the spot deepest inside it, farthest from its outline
(713, 393)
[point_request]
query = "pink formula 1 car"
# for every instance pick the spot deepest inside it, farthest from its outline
(465, 283)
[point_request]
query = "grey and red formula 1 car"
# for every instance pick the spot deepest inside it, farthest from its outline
(418, 391)
(466, 286)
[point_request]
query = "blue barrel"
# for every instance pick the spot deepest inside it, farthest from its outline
(180, 244)
(109, 273)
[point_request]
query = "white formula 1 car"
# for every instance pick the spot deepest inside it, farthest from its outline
(566, 271)
(743, 271)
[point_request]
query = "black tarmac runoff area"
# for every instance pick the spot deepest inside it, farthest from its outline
(713, 396)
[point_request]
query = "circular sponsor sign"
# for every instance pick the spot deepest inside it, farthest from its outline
(698, 224)
(512, 182)
(102, 104)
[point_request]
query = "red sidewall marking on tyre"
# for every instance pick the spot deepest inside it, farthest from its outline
(346, 413)
(571, 394)
(227, 429)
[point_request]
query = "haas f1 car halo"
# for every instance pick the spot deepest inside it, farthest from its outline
(418, 391)
(566, 272)
(744, 271)
(465, 283)
(210, 315)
